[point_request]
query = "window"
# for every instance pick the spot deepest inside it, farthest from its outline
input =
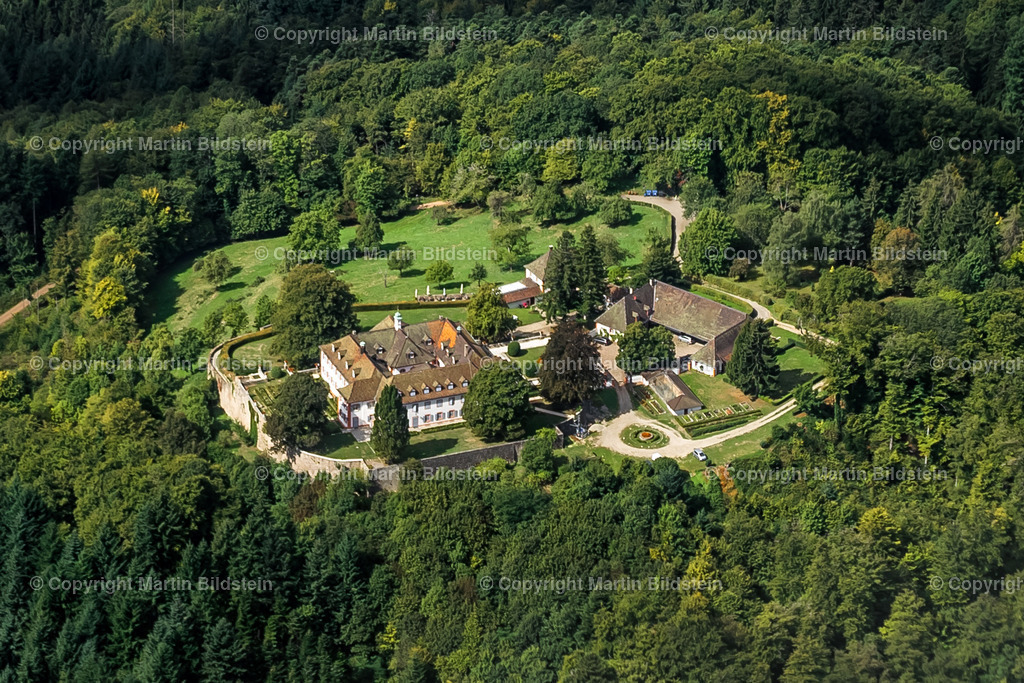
(450, 385)
(412, 392)
(426, 390)
(465, 383)
(426, 418)
(451, 401)
(440, 416)
(438, 388)
(451, 414)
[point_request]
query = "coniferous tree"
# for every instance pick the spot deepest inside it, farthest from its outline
(754, 366)
(390, 434)
(223, 660)
(592, 274)
(562, 278)
(369, 234)
(659, 264)
(571, 372)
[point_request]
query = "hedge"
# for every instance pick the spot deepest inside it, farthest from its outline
(725, 418)
(731, 287)
(231, 344)
(704, 429)
(407, 305)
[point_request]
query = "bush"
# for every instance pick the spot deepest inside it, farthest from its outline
(513, 349)
(765, 300)
(277, 372)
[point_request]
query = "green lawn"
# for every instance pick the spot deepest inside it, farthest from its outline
(182, 298)
(716, 392)
(368, 319)
(527, 316)
(248, 357)
(610, 457)
(745, 444)
(531, 354)
(723, 299)
(807, 274)
(796, 363)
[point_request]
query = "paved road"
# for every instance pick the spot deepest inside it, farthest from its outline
(679, 223)
(674, 209)
(24, 303)
(678, 446)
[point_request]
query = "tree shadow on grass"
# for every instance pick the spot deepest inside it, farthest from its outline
(431, 448)
(791, 379)
(635, 217)
(231, 286)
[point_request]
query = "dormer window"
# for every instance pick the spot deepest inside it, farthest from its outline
(451, 385)
(465, 383)
(426, 390)
(437, 388)
(412, 392)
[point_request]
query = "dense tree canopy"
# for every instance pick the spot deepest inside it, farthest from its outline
(851, 542)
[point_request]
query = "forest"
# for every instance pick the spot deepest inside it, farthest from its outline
(116, 463)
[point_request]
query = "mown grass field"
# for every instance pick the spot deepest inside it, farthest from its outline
(796, 363)
(716, 392)
(182, 298)
(743, 445)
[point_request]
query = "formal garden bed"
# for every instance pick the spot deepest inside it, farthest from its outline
(643, 436)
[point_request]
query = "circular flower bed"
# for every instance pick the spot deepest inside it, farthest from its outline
(640, 436)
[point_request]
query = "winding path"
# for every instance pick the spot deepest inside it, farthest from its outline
(678, 446)
(674, 208)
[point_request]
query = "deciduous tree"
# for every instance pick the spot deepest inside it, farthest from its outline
(498, 402)
(313, 308)
(571, 372)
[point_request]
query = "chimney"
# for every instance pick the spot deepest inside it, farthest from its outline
(398, 320)
(362, 347)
